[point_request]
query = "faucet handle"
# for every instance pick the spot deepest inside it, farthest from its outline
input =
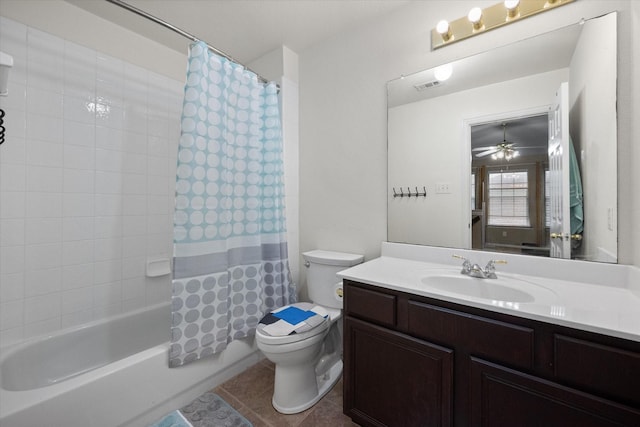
(466, 264)
(490, 269)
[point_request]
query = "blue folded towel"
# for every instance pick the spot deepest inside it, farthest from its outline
(294, 315)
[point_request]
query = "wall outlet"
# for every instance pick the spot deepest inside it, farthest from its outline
(443, 188)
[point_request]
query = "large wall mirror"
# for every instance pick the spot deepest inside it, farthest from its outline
(511, 150)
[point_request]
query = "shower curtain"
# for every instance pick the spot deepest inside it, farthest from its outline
(230, 251)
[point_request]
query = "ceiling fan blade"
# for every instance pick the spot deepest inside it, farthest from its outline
(490, 147)
(486, 153)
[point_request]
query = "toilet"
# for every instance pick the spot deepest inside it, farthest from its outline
(304, 340)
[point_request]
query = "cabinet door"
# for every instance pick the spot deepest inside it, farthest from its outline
(504, 397)
(391, 379)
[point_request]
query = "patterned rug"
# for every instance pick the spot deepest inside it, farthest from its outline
(208, 410)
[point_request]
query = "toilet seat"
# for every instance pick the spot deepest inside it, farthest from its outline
(264, 337)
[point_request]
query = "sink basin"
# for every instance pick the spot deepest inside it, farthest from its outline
(488, 289)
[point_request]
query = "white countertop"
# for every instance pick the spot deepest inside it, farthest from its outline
(611, 307)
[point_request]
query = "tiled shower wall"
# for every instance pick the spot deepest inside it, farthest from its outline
(87, 176)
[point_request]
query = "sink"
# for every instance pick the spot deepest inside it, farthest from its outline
(508, 290)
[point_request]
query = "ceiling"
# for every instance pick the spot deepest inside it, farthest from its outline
(244, 29)
(529, 135)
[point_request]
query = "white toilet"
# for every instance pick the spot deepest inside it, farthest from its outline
(308, 361)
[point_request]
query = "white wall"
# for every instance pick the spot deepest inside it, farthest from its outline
(593, 126)
(343, 153)
(427, 148)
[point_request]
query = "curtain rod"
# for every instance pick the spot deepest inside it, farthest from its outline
(183, 33)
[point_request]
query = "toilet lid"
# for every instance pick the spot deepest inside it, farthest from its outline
(294, 322)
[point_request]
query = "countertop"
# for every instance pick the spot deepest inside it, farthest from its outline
(611, 309)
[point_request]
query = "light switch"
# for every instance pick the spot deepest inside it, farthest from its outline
(443, 188)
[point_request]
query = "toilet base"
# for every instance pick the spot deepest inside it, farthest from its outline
(325, 382)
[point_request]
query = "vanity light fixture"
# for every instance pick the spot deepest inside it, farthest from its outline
(480, 20)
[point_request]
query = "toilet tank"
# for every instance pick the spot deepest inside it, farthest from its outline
(323, 286)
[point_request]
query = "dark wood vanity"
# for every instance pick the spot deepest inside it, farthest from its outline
(415, 361)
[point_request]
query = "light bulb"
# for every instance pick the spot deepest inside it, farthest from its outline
(500, 154)
(444, 30)
(512, 8)
(475, 17)
(511, 4)
(442, 27)
(443, 72)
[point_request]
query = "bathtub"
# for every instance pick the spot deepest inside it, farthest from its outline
(108, 373)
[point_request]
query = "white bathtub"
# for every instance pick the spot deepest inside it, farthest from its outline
(107, 373)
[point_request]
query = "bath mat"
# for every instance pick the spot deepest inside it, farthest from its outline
(174, 419)
(210, 410)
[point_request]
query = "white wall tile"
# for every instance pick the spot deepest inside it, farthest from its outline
(108, 226)
(134, 204)
(134, 225)
(108, 182)
(133, 267)
(11, 314)
(44, 179)
(77, 133)
(44, 128)
(107, 271)
(77, 252)
(41, 308)
(78, 180)
(133, 246)
(76, 300)
(133, 288)
(11, 287)
(41, 282)
(107, 294)
(107, 249)
(12, 259)
(18, 128)
(134, 163)
(42, 153)
(157, 146)
(134, 184)
(105, 311)
(77, 228)
(45, 102)
(78, 157)
(13, 204)
(13, 177)
(45, 256)
(109, 114)
(108, 204)
(43, 230)
(81, 110)
(43, 205)
(134, 142)
(109, 138)
(14, 150)
(77, 276)
(77, 204)
(12, 232)
(109, 160)
(158, 205)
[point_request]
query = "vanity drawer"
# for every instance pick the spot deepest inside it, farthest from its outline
(599, 368)
(367, 304)
(475, 335)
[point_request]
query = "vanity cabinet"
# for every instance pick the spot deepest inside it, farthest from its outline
(416, 361)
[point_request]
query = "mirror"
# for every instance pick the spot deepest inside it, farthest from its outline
(446, 189)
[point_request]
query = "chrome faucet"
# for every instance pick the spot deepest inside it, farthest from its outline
(474, 270)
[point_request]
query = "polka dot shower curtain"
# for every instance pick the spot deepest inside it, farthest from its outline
(230, 251)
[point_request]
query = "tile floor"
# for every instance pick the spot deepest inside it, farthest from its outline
(250, 394)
